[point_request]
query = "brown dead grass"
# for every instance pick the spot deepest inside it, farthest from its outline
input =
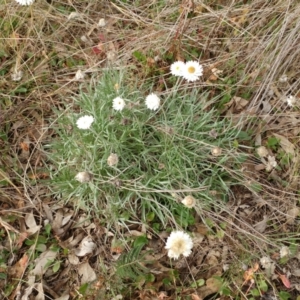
(253, 44)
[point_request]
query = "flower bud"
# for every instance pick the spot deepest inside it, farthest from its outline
(113, 159)
(84, 177)
(189, 201)
(216, 151)
(262, 151)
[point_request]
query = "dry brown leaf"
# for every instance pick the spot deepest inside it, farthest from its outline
(134, 233)
(24, 146)
(18, 269)
(162, 295)
(262, 225)
(213, 284)
(37, 287)
(67, 217)
(285, 280)
(212, 260)
(57, 223)
(29, 220)
(73, 259)
(240, 103)
(202, 229)
(296, 272)
(48, 212)
(42, 262)
(196, 297)
(86, 273)
(291, 215)
(86, 246)
(266, 107)
(33, 230)
(72, 242)
(249, 274)
(65, 297)
(260, 167)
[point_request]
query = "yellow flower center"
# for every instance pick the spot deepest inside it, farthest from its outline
(179, 245)
(191, 69)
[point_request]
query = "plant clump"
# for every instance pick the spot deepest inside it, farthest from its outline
(142, 152)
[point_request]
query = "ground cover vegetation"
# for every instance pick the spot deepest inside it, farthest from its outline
(149, 149)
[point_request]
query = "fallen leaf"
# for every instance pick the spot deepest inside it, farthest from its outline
(86, 273)
(285, 281)
(65, 297)
(266, 107)
(296, 272)
(213, 284)
(73, 259)
(24, 146)
(212, 260)
(196, 297)
(33, 230)
(291, 215)
(18, 269)
(67, 218)
(37, 287)
(86, 246)
(57, 223)
(262, 225)
(42, 175)
(162, 295)
(42, 262)
(249, 274)
(240, 103)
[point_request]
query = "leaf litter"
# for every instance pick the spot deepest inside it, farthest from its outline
(73, 233)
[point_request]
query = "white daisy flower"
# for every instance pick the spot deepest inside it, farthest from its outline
(177, 68)
(118, 104)
(192, 71)
(85, 122)
(25, 2)
(271, 164)
(268, 264)
(101, 23)
(284, 251)
(216, 151)
(152, 101)
(291, 101)
(179, 243)
(83, 177)
(189, 201)
(283, 78)
(16, 75)
(79, 75)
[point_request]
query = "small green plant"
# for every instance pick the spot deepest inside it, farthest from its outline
(283, 295)
(273, 143)
(129, 265)
(179, 149)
